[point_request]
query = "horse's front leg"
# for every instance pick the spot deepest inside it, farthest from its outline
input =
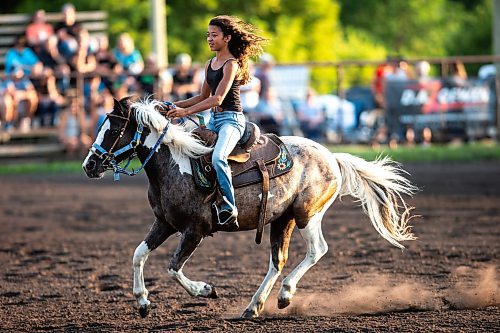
(281, 231)
(188, 244)
(158, 233)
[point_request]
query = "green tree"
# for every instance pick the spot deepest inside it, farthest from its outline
(473, 29)
(409, 28)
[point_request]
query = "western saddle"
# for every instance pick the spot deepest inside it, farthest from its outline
(256, 158)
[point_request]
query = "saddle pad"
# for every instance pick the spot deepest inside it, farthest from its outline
(270, 149)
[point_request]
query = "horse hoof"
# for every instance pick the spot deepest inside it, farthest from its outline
(213, 294)
(283, 303)
(249, 314)
(144, 310)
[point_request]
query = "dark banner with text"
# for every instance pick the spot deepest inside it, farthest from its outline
(445, 105)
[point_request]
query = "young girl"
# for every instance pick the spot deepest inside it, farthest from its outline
(233, 42)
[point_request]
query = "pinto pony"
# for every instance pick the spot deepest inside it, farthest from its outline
(299, 198)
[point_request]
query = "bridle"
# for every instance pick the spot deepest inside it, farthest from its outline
(109, 156)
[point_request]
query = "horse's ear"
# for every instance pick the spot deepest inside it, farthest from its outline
(117, 107)
(128, 101)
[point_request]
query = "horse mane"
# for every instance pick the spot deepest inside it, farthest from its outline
(180, 141)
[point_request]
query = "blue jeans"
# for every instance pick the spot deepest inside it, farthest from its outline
(230, 126)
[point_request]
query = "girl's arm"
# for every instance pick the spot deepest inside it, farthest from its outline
(230, 70)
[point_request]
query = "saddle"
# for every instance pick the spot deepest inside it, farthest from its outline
(255, 159)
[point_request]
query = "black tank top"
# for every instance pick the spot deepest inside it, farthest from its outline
(232, 100)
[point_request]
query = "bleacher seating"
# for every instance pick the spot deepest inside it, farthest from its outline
(12, 25)
(40, 141)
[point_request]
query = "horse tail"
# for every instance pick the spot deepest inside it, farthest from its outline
(379, 185)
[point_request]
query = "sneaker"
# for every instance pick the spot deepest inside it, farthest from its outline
(226, 217)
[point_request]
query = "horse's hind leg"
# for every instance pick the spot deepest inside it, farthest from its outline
(188, 244)
(158, 233)
(316, 248)
(281, 231)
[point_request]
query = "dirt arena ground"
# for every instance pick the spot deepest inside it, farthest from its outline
(66, 246)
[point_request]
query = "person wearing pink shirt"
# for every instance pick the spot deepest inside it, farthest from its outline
(38, 31)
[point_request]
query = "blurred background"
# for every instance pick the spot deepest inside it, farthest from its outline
(415, 80)
(378, 74)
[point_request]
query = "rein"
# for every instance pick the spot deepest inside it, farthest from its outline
(110, 156)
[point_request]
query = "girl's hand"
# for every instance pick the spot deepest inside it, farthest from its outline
(177, 113)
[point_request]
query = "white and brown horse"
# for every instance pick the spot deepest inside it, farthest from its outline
(299, 198)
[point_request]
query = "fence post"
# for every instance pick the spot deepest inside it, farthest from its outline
(341, 95)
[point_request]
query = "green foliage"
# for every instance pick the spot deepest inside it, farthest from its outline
(472, 33)
(423, 28)
(410, 28)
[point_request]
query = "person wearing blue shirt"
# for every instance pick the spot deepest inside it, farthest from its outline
(20, 56)
(128, 56)
(130, 65)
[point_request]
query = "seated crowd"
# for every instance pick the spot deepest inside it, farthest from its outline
(62, 77)
(48, 67)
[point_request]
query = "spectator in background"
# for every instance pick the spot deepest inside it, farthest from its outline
(165, 83)
(7, 111)
(185, 79)
(268, 113)
(83, 61)
(68, 23)
(382, 71)
(22, 57)
(127, 56)
(456, 131)
(457, 76)
(49, 55)
(249, 93)
(422, 71)
(148, 75)
(155, 80)
(105, 106)
(130, 64)
(25, 98)
(311, 117)
(49, 98)
(105, 64)
(263, 74)
(410, 136)
(487, 71)
(67, 32)
(426, 137)
(38, 31)
(401, 71)
(72, 129)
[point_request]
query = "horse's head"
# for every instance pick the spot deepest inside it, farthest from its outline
(116, 140)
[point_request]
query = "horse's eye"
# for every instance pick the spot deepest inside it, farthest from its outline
(115, 132)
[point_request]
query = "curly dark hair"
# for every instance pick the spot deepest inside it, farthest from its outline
(244, 43)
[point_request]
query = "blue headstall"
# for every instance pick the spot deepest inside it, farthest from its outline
(110, 156)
